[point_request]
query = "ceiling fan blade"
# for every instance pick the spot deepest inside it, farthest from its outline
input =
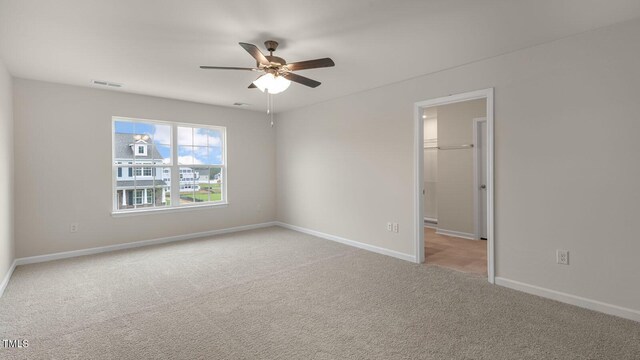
(227, 68)
(301, 80)
(311, 64)
(255, 52)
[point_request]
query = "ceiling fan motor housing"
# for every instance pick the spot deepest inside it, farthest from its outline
(271, 45)
(276, 60)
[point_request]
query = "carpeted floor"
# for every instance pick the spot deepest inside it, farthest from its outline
(277, 294)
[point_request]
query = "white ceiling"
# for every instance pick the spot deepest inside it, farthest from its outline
(155, 47)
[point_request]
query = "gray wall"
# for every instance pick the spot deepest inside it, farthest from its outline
(63, 168)
(566, 158)
(6, 172)
(455, 167)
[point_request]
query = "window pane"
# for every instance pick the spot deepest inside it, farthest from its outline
(214, 156)
(142, 187)
(185, 155)
(208, 184)
(134, 141)
(161, 135)
(201, 188)
(214, 137)
(188, 185)
(198, 146)
(200, 154)
(215, 181)
(200, 137)
(162, 154)
(123, 182)
(156, 190)
(185, 135)
(163, 180)
(124, 127)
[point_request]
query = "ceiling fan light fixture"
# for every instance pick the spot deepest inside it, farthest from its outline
(272, 84)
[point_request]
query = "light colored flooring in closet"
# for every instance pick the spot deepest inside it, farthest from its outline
(469, 256)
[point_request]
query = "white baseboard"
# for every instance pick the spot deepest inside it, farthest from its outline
(7, 277)
(136, 244)
(372, 248)
(459, 234)
(570, 299)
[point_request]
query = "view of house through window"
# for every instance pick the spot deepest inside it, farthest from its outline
(154, 169)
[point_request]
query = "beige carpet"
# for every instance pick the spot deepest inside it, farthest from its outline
(278, 294)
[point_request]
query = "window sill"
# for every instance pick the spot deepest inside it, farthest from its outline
(167, 209)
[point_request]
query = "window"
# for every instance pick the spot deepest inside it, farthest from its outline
(145, 171)
(149, 195)
(161, 154)
(139, 197)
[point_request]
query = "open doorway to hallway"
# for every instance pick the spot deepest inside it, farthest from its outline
(456, 186)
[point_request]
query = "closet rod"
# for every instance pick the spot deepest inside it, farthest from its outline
(455, 147)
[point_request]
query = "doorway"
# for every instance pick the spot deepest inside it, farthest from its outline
(460, 215)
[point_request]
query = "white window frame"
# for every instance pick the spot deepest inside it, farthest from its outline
(141, 197)
(139, 146)
(174, 170)
(148, 199)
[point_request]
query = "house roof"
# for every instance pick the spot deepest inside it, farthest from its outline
(140, 183)
(123, 149)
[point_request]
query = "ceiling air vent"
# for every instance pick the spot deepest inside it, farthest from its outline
(106, 83)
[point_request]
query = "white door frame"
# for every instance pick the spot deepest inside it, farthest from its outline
(419, 171)
(477, 211)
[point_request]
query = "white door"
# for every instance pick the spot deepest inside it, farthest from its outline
(482, 157)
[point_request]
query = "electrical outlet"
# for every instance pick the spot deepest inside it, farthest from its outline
(389, 226)
(395, 227)
(562, 257)
(73, 227)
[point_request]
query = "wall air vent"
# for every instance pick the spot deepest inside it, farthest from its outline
(106, 83)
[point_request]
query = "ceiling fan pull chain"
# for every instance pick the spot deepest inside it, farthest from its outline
(269, 107)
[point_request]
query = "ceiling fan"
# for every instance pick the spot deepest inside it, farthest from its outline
(278, 74)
